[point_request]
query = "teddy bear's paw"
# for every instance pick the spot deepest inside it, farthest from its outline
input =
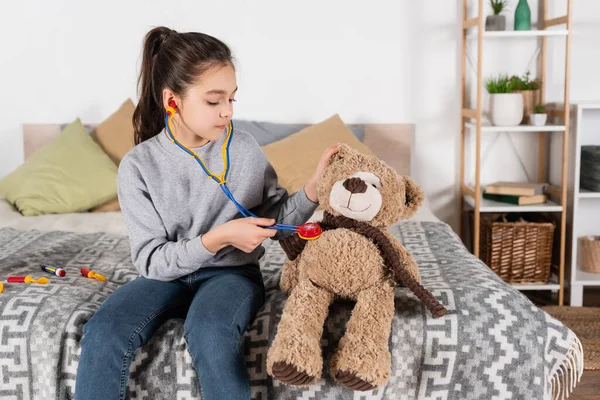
(361, 361)
(291, 375)
(351, 381)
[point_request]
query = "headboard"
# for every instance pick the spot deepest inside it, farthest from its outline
(390, 142)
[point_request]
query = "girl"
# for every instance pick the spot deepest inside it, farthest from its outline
(197, 257)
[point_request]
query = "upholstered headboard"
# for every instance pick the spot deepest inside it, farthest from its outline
(391, 142)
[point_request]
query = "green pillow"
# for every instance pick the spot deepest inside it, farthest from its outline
(70, 174)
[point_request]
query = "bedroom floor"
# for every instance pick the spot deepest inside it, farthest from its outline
(589, 387)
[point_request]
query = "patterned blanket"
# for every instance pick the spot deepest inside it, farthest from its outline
(493, 343)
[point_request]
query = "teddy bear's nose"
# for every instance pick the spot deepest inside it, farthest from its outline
(355, 185)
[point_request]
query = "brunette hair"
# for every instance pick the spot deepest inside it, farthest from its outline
(171, 60)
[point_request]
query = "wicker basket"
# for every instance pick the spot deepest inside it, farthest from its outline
(589, 253)
(519, 252)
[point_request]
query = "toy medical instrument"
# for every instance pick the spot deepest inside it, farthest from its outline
(88, 273)
(27, 279)
(54, 271)
(307, 231)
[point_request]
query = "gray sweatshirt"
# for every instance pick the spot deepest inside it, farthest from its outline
(168, 202)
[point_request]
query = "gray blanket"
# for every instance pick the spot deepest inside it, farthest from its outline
(493, 343)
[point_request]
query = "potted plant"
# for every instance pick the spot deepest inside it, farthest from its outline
(505, 103)
(539, 116)
(530, 90)
(496, 22)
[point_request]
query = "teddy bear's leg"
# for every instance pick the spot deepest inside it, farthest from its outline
(289, 275)
(295, 357)
(362, 360)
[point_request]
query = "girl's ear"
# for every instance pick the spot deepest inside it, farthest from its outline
(169, 96)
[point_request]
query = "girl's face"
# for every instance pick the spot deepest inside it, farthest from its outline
(207, 107)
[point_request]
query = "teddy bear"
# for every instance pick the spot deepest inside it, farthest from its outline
(355, 258)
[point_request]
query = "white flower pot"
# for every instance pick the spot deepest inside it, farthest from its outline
(538, 119)
(507, 108)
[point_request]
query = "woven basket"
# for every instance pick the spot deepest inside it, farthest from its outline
(519, 252)
(589, 253)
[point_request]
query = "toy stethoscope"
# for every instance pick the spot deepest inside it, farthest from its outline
(307, 231)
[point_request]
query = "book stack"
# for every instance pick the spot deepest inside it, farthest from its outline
(519, 193)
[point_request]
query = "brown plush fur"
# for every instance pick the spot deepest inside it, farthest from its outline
(344, 264)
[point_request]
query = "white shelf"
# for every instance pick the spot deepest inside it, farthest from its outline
(518, 128)
(495, 206)
(523, 34)
(584, 218)
(551, 285)
(537, 286)
(587, 194)
(587, 278)
(589, 106)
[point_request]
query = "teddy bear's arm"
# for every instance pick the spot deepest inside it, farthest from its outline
(292, 245)
(407, 260)
(289, 275)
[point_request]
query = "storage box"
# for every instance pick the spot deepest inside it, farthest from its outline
(590, 168)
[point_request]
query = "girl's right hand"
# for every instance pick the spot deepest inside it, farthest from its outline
(245, 234)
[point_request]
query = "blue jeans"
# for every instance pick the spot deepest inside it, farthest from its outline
(218, 304)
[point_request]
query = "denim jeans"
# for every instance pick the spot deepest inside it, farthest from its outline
(218, 304)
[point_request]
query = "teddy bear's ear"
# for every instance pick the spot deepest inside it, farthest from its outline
(414, 196)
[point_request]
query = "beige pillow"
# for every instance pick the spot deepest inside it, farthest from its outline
(115, 137)
(295, 158)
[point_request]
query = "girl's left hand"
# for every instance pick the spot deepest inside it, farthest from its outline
(311, 186)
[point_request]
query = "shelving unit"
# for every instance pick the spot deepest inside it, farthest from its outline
(584, 215)
(471, 120)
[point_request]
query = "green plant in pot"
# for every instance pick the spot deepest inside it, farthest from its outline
(496, 22)
(539, 116)
(530, 90)
(506, 104)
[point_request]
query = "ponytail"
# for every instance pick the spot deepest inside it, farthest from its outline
(175, 61)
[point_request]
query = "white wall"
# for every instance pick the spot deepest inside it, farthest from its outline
(388, 61)
(435, 89)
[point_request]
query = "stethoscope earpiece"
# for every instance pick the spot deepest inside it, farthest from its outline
(172, 108)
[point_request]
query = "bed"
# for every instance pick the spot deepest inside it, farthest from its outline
(493, 343)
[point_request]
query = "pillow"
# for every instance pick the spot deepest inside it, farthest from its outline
(70, 174)
(295, 158)
(115, 137)
(269, 132)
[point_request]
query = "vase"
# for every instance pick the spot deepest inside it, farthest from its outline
(495, 23)
(522, 16)
(531, 98)
(507, 109)
(538, 119)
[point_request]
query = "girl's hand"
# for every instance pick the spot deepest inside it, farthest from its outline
(245, 234)
(311, 187)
